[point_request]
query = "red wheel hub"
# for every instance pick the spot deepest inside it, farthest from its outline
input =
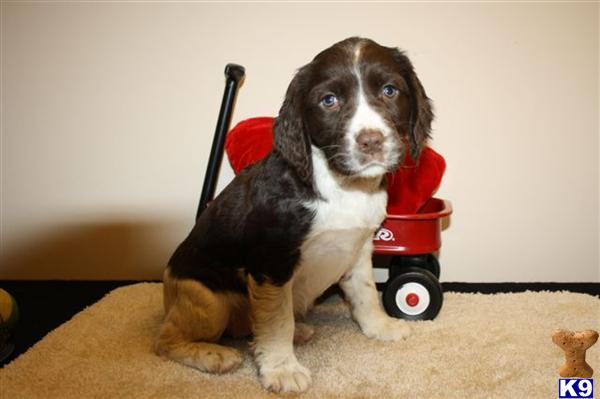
(412, 299)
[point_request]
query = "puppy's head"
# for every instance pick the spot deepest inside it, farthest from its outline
(358, 102)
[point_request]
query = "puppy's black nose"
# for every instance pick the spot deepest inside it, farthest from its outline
(370, 141)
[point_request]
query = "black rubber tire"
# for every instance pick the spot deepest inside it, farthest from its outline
(428, 262)
(433, 265)
(419, 276)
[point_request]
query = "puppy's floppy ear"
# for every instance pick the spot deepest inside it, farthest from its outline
(290, 139)
(421, 110)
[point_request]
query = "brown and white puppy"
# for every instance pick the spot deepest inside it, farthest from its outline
(290, 226)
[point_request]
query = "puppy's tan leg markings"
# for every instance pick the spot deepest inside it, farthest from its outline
(272, 315)
(196, 317)
(303, 333)
(359, 289)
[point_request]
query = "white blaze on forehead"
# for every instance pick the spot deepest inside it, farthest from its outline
(357, 55)
(365, 116)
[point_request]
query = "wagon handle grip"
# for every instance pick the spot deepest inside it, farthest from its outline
(235, 72)
(234, 76)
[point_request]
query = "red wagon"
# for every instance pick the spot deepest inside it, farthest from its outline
(413, 290)
(405, 242)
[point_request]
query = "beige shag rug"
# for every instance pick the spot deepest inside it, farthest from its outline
(480, 346)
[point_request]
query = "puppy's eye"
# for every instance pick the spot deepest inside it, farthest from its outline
(330, 100)
(389, 91)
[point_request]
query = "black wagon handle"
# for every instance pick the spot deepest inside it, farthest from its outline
(234, 76)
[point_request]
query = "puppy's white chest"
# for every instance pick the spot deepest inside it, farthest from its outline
(345, 220)
(345, 203)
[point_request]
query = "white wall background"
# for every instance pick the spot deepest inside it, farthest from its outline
(108, 111)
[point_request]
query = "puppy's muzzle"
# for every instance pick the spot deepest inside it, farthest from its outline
(370, 144)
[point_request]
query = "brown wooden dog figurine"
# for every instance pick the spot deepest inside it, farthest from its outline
(575, 344)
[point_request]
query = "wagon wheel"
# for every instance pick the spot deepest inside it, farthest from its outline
(414, 294)
(428, 262)
(433, 265)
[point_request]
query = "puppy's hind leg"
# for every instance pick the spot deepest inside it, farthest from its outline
(303, 333)
(196, 318)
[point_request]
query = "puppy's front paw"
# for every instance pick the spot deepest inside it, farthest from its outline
(289, 377)
(388, 329)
